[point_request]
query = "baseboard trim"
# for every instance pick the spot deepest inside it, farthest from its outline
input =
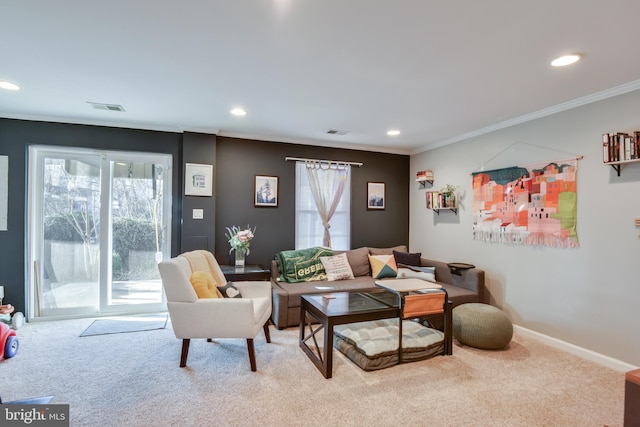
(581, 352)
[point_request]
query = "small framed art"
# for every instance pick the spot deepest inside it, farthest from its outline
(266, 191)
(376, 195)
(198, 180)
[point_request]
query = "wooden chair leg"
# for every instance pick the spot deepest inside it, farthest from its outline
(266, 331)
(252, 354)
(185, 352)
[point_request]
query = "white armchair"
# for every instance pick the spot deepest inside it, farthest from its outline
(193, 317)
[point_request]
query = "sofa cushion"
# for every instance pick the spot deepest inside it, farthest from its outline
(414, 272)
(407, 258)
(204, 285)
(295, 290)
(383, 266)
(387, 251)
(337, 267)
(359, 261)
(302, 265)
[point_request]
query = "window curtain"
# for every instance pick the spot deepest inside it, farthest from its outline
(327, 181)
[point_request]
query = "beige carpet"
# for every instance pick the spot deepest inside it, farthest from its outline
(134, 380)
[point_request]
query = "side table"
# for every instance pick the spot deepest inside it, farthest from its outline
(458, 267)
(248, 272)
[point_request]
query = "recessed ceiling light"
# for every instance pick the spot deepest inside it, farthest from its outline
(566, 60)
(9, 86)
(238, 112)
(393, 132)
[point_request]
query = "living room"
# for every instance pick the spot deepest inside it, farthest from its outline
(581, 300)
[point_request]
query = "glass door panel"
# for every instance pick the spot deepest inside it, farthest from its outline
(70, 220)
(138, 232)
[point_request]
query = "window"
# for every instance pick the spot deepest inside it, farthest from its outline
(309, 229)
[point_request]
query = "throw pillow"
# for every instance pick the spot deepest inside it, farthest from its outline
(229, 291)
(337, 267)
(359, 261)
(415, 272)
(383, 266)
(204, 285)
(407, 258)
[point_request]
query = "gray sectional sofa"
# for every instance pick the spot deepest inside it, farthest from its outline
(462, 285)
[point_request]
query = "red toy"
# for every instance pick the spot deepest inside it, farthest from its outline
(8, 341)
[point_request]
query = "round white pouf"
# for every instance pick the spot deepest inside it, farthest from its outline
(481, 326)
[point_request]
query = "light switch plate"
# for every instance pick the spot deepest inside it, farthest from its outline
(198, 213)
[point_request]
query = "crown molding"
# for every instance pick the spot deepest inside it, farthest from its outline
(578, 102)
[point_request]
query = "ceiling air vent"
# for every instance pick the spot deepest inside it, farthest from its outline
(108, 107)
(337, 132)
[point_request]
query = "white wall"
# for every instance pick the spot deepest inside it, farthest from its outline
(587, 296)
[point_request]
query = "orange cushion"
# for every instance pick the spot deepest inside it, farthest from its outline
(204, 285)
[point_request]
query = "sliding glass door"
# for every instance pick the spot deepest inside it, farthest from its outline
(99, 222)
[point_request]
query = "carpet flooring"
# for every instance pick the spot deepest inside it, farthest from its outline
(134, 380)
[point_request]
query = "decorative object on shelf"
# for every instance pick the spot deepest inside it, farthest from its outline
(437, 201)
(444, 199)
(449, 193)
(240, 240)
(198, 180)
(619, 148)
(533, 204)
(424, 176)
(266, 191)
(376, 196)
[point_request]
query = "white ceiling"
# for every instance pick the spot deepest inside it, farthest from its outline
(438, 71)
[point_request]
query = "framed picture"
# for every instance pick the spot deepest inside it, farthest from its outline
(266, 191)
(375, 195)
(198, 180)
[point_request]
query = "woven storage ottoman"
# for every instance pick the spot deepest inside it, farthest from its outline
(481, 326)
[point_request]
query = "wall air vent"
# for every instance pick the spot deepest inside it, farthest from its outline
(337, 132)
(108, 107)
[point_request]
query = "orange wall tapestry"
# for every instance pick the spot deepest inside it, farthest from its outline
(532, 204)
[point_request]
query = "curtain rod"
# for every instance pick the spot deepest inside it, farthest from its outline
(298, 159)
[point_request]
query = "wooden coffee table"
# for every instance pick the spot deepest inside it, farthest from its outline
(321, 312)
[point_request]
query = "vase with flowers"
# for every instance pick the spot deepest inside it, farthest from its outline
(240, 239)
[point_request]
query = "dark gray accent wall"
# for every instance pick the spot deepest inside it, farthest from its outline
(17, 135)
(198, 233)
(236, 162)
(239, 160)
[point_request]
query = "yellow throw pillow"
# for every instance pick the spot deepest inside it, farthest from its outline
(204, 285)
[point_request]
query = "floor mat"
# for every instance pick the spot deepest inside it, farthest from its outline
(126, 324)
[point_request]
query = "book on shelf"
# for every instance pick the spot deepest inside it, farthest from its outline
(424, 176)
(620, 146)
(439, 200)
